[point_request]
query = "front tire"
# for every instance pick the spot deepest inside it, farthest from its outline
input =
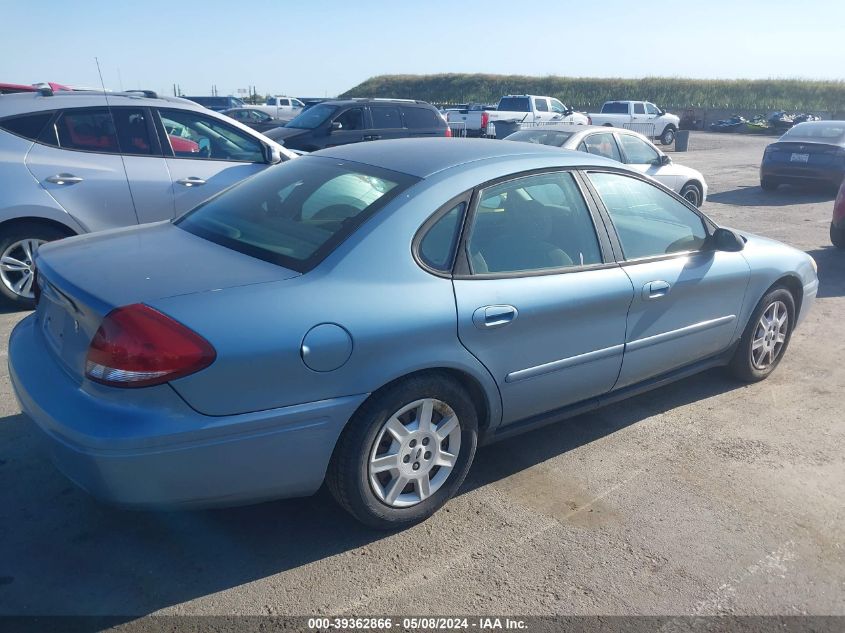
(766, 337)
(18, 244)
(405, 452)
(692, 194)
(837, 236)
(668, 136)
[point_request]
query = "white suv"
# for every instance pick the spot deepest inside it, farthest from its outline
(76, 162)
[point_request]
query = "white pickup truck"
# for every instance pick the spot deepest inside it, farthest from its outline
(641, 116)
(284, 108)
(515, 108)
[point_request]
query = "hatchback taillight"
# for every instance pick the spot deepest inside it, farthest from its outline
(137, 346)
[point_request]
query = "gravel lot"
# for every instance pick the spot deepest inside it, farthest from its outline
(703, 497)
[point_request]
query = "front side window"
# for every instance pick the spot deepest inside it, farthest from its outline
(437, 247)
(650, 108)
(298, 213)
(637, 151)
(386, 118)
(532, 224)
(352, 119)
(87, 130)
(558, 107)
(193, 135)
(601, 145)
(648, 221)
(542, 105)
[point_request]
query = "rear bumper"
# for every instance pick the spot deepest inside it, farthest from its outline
(790, 174)
(147, 447)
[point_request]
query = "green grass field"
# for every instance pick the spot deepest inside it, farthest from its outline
(589, 94)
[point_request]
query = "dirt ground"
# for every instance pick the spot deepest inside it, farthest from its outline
(703, 497)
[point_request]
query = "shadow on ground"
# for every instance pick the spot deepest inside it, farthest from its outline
(831, 263)
(61, 552)
(785, 195)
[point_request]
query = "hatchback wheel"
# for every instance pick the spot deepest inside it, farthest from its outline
(405, 452)
(766, 337)
(17, 251)
(692, 194)
(769, 184)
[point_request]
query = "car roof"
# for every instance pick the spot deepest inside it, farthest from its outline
(369, 100)
(26, 102)
(422, 157)
(582, 129)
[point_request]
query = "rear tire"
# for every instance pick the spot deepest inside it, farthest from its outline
(388, 444)
(766, 337)
(668, 136)
(18, 244)
(837, 236)
(769, 184)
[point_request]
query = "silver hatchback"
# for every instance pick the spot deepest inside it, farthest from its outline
(82, 161)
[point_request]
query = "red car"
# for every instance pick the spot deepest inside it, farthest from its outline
(837, 224)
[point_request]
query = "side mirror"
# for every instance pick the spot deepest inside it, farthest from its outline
(336, 125)
(664, 160)
(726, 240)
(274, 156)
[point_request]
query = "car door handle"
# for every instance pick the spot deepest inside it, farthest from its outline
(372, 137)
(64, 179)
(656, 289)
(491, 317)
(192, 181)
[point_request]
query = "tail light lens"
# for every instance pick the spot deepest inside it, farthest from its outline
(448, 132)
(137, 346)
(485, 121)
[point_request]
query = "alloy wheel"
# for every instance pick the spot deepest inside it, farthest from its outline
(770, 335)
(414, 453)
(16, 266)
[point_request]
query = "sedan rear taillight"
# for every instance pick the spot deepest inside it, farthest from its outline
(137, 346)
(448, 132)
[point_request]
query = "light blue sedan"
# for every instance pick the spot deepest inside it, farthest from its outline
(367, 314)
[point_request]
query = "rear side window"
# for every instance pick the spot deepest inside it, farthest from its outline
(639, 108)
(298, 213)
(29, 126)
(601, 145)
(385, 118)
(542, 105)
(420, 118)
(515, 104)
(88, 130)
(133, 131)
(614, 107)
(437, 248)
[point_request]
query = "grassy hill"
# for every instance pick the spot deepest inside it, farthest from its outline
(588, 94)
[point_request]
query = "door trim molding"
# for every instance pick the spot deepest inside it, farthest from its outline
(671, 335)
(564, 363)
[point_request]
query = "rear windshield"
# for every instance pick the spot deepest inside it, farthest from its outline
(833, 131)
(313, 117)
(615, 107)
(515, 104)
(295, 214)
(555, 138)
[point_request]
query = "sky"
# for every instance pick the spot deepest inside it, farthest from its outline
(313, 48)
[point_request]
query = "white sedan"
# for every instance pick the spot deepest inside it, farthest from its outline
(625, 146)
